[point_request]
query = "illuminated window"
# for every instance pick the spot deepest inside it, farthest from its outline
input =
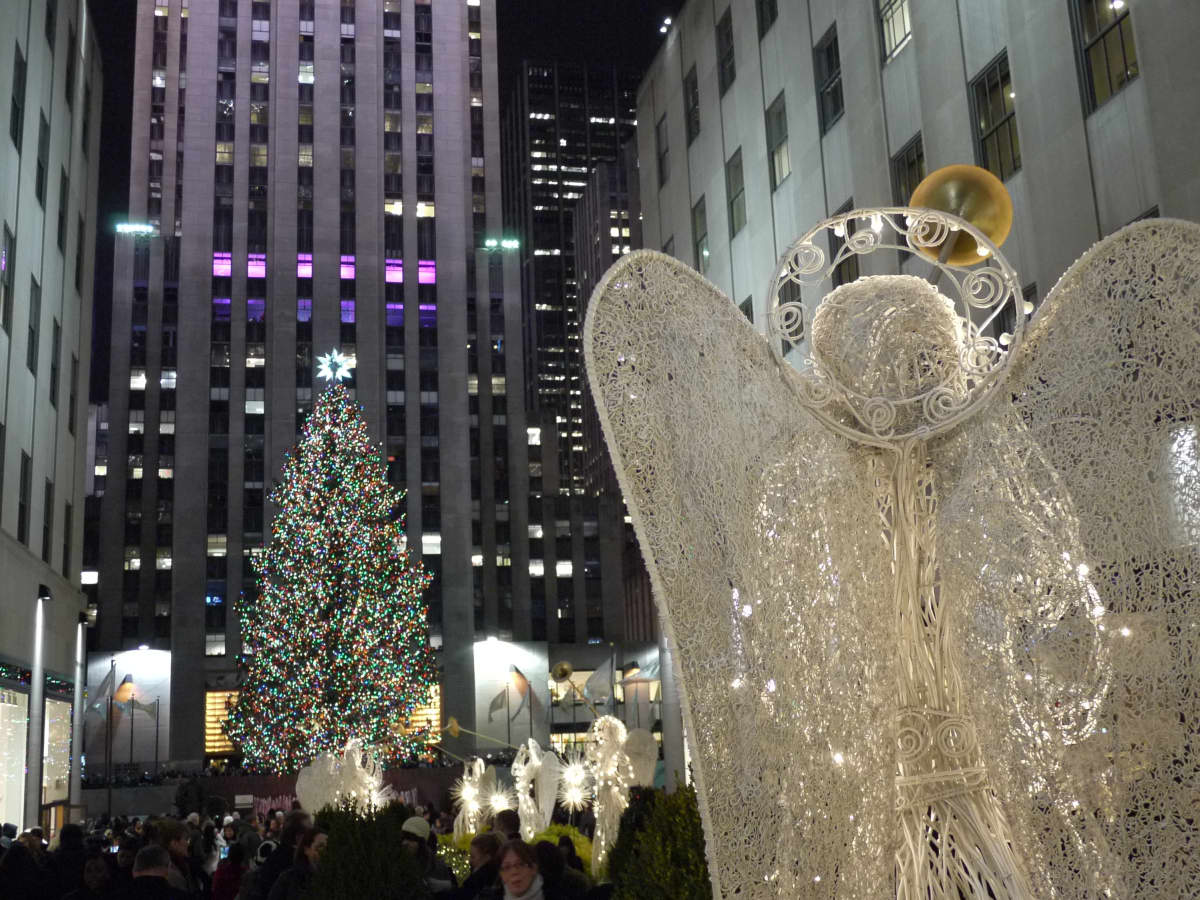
(224, 153)
(427, 716)
(997, 146)
(895, 25)
(777, 141)
(216, 708)
(1106, 51)
(564, 693)
(735, 191)
(306, 155)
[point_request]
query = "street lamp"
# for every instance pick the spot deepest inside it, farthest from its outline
(37, 695)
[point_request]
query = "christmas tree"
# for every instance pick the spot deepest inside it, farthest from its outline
(336, 644)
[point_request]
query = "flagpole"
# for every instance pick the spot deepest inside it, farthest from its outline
(507, 718)
(157, 703)
(108, 734)
(132, 708)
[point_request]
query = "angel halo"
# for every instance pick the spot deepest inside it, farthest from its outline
(931, 594)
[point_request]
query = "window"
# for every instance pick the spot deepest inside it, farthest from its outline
(47, 521)
(691, 100)
(747, 308)
(767, 12)
(700, 236)
(908, 168)
(663, 149)
(55, 363)
(997, 147)
(64, 196)
(43, 160)
(35, 315)
(735, 190)
(16, 117)
(847, 270)
(894, 24)
(777, 142)
(726, 66)
(73, 394)
(25, 488)
(8, 262)
(1106, 51)
(68, 524)
(828, 67)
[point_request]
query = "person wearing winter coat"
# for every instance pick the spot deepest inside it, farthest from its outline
(296, 882)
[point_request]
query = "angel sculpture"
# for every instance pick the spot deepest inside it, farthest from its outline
(472, 793)
(611, 773)
(535, 778)
(934, 593)
(352, 778)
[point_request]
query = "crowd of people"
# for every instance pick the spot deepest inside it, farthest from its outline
(271, 857)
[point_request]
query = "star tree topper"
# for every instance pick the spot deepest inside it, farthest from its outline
(334, 366)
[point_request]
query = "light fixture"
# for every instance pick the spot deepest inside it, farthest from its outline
(143, 646)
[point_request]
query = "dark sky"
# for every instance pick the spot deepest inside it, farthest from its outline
(621, 31)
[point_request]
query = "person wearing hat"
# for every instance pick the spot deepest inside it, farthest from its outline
(416, 838)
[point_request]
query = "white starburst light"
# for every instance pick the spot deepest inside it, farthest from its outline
(334, 366)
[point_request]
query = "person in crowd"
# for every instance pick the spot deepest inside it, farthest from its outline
(558, 877)
(21, 875)
(415, 837)
(127, 848)
(520, 876)
(174, 837)
(295, 824)
(97, 880)
(8, 834)
(249, 885)
(66, 863)
(151, 873)
(227, 879)
(507, 824)
(566, 847)
(211, 845)
(484, 879)
(295, 883)
(248, 834)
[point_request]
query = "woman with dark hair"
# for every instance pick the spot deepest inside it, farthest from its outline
(556, 875)
(520, 876)
(296, 882)
(570, 855)
(227, 880)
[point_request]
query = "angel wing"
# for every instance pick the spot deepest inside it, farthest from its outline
(1077, 522)
(546, 787)
(752, 517)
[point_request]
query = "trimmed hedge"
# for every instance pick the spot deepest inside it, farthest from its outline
(363, 857)
(659, 851)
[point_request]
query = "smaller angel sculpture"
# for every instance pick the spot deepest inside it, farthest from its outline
(472, 794)
(352, 777)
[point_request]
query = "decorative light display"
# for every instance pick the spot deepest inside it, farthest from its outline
(351, 777)
(574, 787)
(334, 366)
(536, 775)
(609, 765)
(336, 643)
(472, 794)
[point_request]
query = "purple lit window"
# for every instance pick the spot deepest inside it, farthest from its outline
(427, 317)
(256, 310)
(256, 265)
(347, 311)
(394, 271)
(304, 310)
(220, 309)
(304, 265)
(426, 271)
(395, 315)
(347, 268)
(222, 265)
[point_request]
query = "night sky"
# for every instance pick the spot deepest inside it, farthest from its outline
(621, 31)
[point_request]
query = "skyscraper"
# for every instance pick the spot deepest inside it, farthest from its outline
(313, 175)
(50, 70)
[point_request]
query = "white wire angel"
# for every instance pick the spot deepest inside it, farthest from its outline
(933, 596)
(352, 777)
(473, 795)
(612, 775)
(535, 779)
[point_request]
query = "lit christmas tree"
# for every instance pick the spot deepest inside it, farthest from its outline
(336, 642)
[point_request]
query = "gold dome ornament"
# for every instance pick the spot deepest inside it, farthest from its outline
(971, 193)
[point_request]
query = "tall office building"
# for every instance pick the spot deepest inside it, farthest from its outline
(314, 175)
(50, 68)
(563, 119)
(1075, 105)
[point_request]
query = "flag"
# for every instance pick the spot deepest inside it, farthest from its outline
(97, 699)
(497, 703)
(598, 687)
(650, 673)
(521, 685)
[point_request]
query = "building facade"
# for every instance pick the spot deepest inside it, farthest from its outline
(50, 68)
(1074, 104)
(312, 175)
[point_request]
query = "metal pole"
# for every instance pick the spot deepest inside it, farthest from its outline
(157, 704)
(507, 717)
(78, 714)
(108, 733)
(132, 708)
(34, 737)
